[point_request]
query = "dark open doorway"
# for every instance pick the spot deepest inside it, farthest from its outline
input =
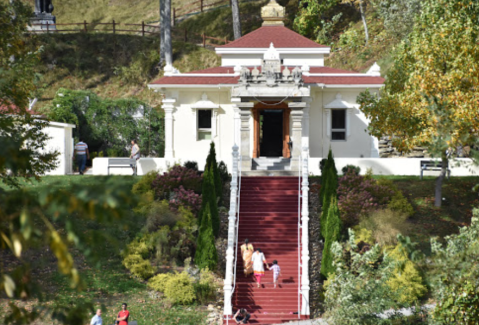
(271, 133)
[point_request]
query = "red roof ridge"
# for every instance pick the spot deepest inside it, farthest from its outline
(251, 39)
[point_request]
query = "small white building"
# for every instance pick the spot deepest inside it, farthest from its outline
(61, 140)
(272, 96)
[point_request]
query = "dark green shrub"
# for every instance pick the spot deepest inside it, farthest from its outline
(206, 287)
(329, 186)
(352, 169)
(212, 164)
(209, 197)
(322, 164)
(145, 184)
(206, 256)
(159, 214)
(332, 234)
(191, 165)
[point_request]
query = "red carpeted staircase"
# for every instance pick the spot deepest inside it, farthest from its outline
(269, 219)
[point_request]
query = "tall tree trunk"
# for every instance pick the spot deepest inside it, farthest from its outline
(162, 32)
(236, 19)
(363, 17)
(438, 190)
(167, 32)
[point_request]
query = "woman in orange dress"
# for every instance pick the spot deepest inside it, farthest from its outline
(247, 252)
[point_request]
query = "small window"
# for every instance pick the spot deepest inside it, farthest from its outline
(338, 124)
(204, 124)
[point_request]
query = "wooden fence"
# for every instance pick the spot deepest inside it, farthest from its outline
(146, 30)
(196, 7)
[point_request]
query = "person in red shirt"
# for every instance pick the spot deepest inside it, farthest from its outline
(123, 315)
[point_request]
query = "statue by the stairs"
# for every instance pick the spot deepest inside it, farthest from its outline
(43, 19)
(43, 6)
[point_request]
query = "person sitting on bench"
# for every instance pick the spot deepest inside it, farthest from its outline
(242, 316)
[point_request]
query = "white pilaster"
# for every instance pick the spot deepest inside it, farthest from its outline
(349, 113)
(296, 132)
(305, 137)
(169, 107)
(228, 282)
(305, 232)
(245, 151)
(327, 113)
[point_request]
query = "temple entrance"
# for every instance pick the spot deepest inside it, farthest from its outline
(271, 131)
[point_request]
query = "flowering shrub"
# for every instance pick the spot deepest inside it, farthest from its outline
(358, 195)
(177, 176)
(186, 198)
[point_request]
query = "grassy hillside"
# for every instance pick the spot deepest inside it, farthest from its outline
(110, 65)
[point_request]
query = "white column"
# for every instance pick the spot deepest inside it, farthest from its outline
(305, 232)
(245, 130)
(230, 254)
(169, 107)
(296, 132)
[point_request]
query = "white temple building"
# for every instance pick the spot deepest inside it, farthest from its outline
(272, 95)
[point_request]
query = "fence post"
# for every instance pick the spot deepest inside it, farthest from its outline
(204, 40)
(113, 26)
(186, 35)
(142, 28)
(84, 26)
(201, 2)
(48, 30)
(174, 16)
(226, 41)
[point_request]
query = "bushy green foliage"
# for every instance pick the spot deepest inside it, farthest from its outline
(158, 282)
(223, 170)
(143, 188)
(401, 204)
(358, 290)
(159, 214)
(209, 198)
(363, 235)
(399, 16)
(205, 287)
(355, 169)
(317, 19)
(406, 279)
(179, 289)
(206, 256)
(453, 276)
(108, 124)
(138, 266)
(332, 234)
(191, 165)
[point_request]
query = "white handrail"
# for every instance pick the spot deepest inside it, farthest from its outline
(238, 201)
(299, 235)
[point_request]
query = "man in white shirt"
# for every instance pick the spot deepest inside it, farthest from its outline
(96, 320)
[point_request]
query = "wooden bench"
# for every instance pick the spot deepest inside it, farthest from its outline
(122, 163)
(433, 165)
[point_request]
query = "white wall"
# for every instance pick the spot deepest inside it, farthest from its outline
(145, 165)
(357, 145)
(60, 140)
(396, 166)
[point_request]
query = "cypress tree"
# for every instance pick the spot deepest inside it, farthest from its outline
(211, 163)
(208, 197)
(206, 255)
(332, 234)
(329, 189)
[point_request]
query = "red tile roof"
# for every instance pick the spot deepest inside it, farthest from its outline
(215, 79)
(280, 36)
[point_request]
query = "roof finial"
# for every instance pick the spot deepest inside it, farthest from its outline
(272, 14)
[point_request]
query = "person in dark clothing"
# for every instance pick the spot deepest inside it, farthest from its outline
(242, 316)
